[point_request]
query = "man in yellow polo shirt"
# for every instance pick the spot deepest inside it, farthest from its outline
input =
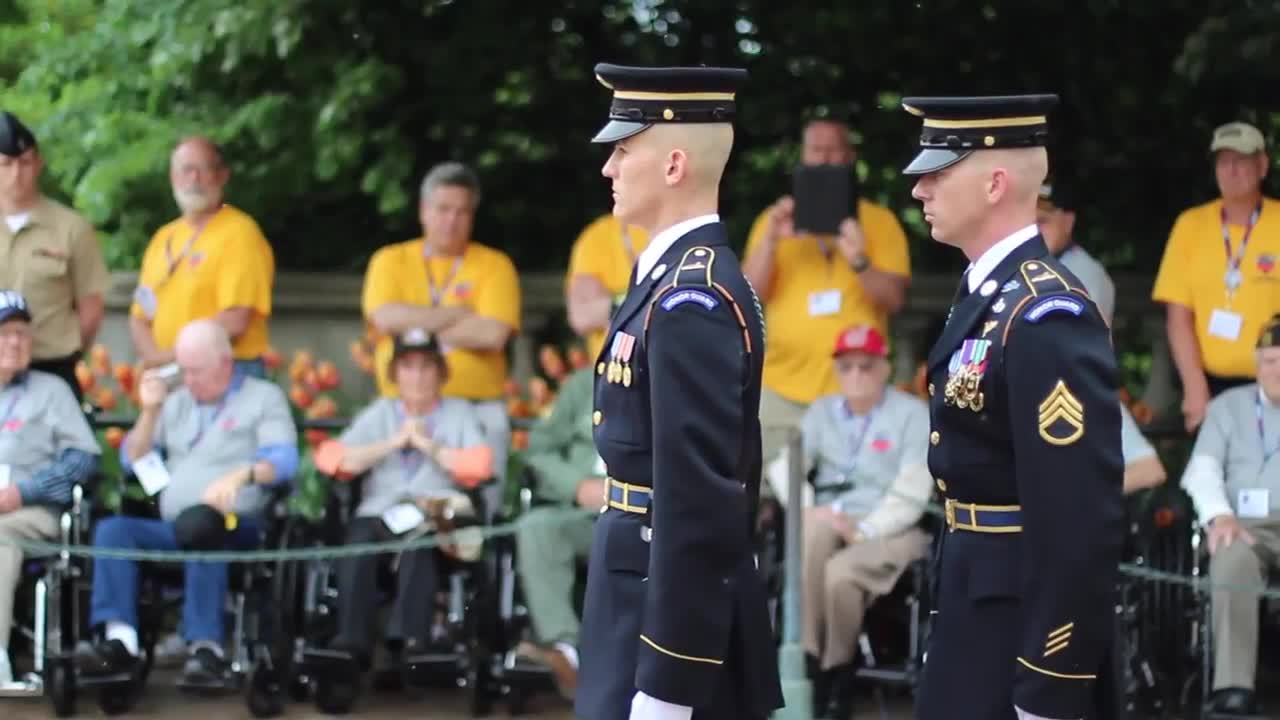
(814, 287)
(1220, 275)
(465, 293)
(600, 267)
(212, 262)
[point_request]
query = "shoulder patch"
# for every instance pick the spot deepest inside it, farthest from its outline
(689, 295)
(695, 267)
(1055, 303)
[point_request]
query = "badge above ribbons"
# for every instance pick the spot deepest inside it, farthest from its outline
(964, 375)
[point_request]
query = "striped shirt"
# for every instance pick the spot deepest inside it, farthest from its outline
(45, 440)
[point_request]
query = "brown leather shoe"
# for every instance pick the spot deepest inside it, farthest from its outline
(563, 671)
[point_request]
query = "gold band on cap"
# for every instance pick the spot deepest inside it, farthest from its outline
(1023, 121)
(675, 96)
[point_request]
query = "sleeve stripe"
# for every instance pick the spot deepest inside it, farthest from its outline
(1050, 673)
(678, 656)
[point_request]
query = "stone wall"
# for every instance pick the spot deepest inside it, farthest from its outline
(321, 313)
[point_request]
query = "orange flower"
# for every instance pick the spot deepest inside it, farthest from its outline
(322, 407)
(520, 440)
(125, 377)
(539, 392)
(327, 376)
(315, 437)
(511, 388)
(299, 396)
(271, 359)
(85, 376)
(105, 399)
(1142, 412)
(114, 437)
(302, 362)
(517, 408)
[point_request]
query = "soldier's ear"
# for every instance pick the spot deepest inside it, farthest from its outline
(677, 166)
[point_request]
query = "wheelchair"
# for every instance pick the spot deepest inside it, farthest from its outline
(258, 601)
(464, 610)
(49, 612)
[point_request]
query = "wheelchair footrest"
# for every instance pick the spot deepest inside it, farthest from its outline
(97, 681)
(21, 689)
(899, 675)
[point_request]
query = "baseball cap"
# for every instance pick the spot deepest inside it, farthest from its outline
(415, 340)
(15, 138)
(13, 305)
(1270, 336)
(1057, 194)
(861, 338)
(1240, 137)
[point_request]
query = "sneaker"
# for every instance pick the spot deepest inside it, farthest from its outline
(206, 667)
(109, 657)
(554, 659)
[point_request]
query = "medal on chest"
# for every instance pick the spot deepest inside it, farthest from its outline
(964, 375)
(620, 351)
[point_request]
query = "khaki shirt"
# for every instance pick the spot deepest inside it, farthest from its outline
(53, 260)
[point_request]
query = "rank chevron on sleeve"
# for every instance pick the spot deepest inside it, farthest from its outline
(1061, 406)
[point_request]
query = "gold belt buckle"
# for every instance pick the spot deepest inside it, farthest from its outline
(949, 512)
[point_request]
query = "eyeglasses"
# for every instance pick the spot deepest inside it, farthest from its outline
(15, 334)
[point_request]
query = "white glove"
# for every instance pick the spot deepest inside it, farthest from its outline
(1024, 715)
(644, 707)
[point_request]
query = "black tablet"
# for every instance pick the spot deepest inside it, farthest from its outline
(825, 195)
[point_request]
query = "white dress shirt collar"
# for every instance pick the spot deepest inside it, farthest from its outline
(982, 267)
(663, 241)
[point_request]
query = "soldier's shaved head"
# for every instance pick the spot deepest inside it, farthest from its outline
(705, 149)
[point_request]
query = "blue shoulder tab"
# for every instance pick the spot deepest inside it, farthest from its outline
(1052, 304)
(689, 295)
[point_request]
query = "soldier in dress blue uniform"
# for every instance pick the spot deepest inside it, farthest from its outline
(676, 622)
(1025, 441)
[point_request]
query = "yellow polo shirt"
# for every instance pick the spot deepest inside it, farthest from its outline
(483, 279)
(815, 296)
(1193, 274)
(188, 276)
(605, 253)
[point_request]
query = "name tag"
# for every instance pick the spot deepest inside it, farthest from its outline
(1253, 503)
(151, 472)
(402, 518)
(824, 302)
(146, 299)
(1225, 324)
(5, 472)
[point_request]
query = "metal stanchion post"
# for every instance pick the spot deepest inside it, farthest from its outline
(796, 690)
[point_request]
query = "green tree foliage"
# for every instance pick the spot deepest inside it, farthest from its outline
(331, 112)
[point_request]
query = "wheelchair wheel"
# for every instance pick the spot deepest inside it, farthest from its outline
(60, 683)
(116, 700)
(335, 697)
(264, 696)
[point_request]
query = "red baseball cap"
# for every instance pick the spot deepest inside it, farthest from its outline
(861, 338)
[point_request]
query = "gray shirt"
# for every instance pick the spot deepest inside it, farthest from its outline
(1095, 278)
(1228, 456)
(869, 452)
(203, 442)
(1134, 445)
(407, 474)
(39, 418)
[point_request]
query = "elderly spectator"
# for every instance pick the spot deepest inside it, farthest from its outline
(867, 447)
(51, 257)
(213, 450)
(570, 480)
(212, 262)
(417, 450)
(46, 447)
(1233, 478)
(815, 286)
(600, 268)
(465, 293)
(1056, 216)
(1218, 273)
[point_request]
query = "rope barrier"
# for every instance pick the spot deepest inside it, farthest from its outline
(42, 549)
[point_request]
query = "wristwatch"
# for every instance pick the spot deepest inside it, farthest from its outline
(860, 262)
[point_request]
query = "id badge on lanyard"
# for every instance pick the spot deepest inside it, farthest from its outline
(439, 293)
(1234, 277)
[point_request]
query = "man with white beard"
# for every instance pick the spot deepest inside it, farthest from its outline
(212, 262)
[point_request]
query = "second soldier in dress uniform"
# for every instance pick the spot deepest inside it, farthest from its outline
(676, 622)
(1025, 441)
